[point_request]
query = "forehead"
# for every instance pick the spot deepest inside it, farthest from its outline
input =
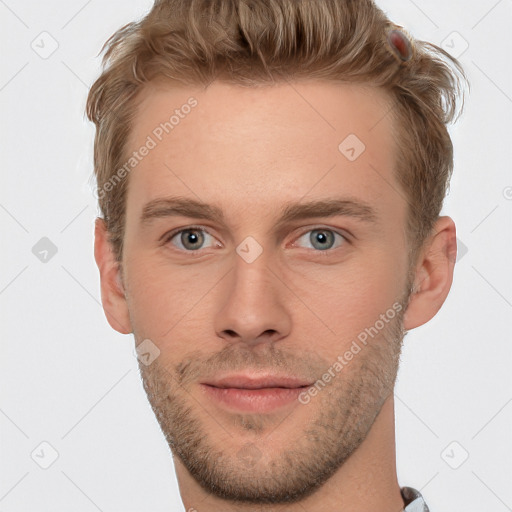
(263, 145)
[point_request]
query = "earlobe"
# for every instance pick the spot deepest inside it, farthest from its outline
(112, 290)
(433, 274)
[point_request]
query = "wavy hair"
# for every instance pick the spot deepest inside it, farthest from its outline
(257, 42)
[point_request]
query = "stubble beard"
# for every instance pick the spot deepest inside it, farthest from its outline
(342, 414)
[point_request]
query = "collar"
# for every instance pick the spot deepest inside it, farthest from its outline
(413, 500)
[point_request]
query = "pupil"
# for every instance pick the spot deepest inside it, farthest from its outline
(190, 237)
(322, 237)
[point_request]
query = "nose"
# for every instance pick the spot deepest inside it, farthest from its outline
(254, 304)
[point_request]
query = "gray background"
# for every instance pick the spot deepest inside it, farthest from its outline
(71, 382)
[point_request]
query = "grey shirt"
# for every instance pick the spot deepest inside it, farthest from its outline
(413, 500)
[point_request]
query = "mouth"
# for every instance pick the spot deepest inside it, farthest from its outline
(255, 381)
(257, 394)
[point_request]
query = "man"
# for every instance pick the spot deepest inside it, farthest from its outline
(271, 175)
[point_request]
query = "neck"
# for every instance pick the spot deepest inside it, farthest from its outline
(366, 482)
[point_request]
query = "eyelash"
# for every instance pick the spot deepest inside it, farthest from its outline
(169, 236)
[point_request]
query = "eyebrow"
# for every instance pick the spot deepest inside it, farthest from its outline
(292, 211)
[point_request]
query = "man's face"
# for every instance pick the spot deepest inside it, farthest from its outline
(254, 295)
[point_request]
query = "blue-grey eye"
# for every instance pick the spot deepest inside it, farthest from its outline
(190, 239)
(322, 239)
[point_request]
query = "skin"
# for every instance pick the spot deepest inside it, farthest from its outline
(295, 308)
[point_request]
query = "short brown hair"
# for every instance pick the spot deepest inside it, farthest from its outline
(254, 42)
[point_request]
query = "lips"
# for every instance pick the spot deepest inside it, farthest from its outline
(254, 393)
(258, 382)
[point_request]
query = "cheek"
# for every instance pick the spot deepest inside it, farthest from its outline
(162, 298)
(353, 299)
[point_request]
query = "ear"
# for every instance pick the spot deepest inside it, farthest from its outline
(112, 291)
(433, 274)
